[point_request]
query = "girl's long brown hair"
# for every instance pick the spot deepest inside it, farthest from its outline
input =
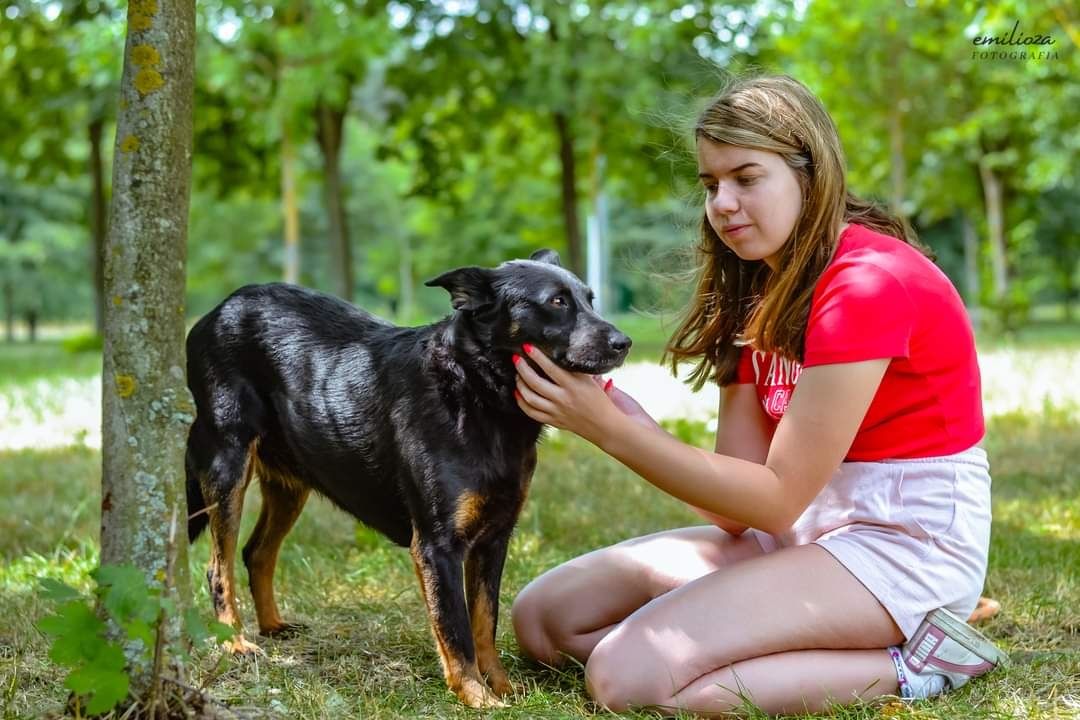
(743, 300)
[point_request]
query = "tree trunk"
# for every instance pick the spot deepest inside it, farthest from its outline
(289, 208)
(971, 268)
(897, 166)
(569, 194)
(146, 406)
(1067, 299)
(31, 318)
(991, 186)
(97, 223)
(330, 122)
(405, 280)
(9, 311)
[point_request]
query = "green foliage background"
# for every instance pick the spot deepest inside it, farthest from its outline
(451, 150)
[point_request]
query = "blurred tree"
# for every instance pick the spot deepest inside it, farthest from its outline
(965, 134)
(310, 54)
(62, 74)
(1058, 233)
(588, 75)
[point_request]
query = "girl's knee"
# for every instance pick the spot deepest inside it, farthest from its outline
(619, 675)
(528, 616)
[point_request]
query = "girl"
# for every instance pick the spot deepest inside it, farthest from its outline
(850, 503)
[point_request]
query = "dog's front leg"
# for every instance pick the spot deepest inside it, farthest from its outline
(483, 573)
(441, 580)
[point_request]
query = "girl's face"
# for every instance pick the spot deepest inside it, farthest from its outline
(752, 199)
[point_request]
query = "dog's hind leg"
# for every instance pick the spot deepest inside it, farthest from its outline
(440, 573)
(223, 489)
(282, 501)
(483, 573)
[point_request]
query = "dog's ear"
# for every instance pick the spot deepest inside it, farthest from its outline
(469, 287)
(546, 256)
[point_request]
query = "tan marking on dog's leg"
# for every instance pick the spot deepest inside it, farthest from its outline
(482, 620)
(282, 502)
(224, 528)
(463, 678)
(467, 512)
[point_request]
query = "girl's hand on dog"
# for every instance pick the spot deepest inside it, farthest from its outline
(577, 402)
(630, 406)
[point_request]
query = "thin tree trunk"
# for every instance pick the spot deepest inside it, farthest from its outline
(97, 223)
(971, 267)
(289, 208)
(992, 197)
(146, 406)
(330, 123)
(405, 280)
(9, 311)
(569, 193)
(897, 166)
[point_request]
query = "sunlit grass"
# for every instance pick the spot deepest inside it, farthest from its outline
(368, 652)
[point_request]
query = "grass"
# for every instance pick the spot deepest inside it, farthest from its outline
(23, 363)
(368, 652)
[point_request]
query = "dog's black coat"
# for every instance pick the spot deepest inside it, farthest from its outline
(414, 431)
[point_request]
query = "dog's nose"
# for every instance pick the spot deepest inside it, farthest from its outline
(620, 342)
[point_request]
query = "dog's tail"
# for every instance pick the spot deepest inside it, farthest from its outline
(198, 518)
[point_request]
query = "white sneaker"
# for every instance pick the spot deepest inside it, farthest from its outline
(944, 653)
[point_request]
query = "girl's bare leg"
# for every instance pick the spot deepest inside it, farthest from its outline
(801, 681)
(678, 649)
(572, 607)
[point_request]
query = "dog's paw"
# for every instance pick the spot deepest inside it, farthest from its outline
(283, 630)
(242, 647)
(476, 694)
(499, 683)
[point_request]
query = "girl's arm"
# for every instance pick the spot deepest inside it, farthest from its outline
(826, 410)
(743, 430)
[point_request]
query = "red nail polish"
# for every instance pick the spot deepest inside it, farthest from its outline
(608, 384)
(517, 395)
(527, 348)
(517, 359)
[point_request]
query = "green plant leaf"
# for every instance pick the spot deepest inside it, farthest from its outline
(103, 679)
(127, 596)
(57, 591)
(222, 631)
(141, 630)
(77, 631)
(195, 627)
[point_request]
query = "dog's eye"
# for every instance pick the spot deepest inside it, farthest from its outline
(558, 301)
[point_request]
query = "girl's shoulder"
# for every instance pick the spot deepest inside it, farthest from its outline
(863, 246)
(871, 263)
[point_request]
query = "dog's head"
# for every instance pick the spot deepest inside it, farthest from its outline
(540, 302)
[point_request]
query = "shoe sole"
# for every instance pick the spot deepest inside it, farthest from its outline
(968, 636)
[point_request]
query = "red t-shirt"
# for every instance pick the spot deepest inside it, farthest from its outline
(882, 298)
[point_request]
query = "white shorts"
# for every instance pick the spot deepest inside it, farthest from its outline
(915, 532)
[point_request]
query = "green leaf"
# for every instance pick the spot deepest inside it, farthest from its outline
(77, 631)
(104, 680)
(194, 626)
(57, 591)
(141, 630)
(127, 596)
(222, 631)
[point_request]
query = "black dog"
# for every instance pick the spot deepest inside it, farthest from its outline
(414, 431)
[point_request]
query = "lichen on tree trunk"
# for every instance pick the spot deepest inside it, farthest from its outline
(146, 406)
